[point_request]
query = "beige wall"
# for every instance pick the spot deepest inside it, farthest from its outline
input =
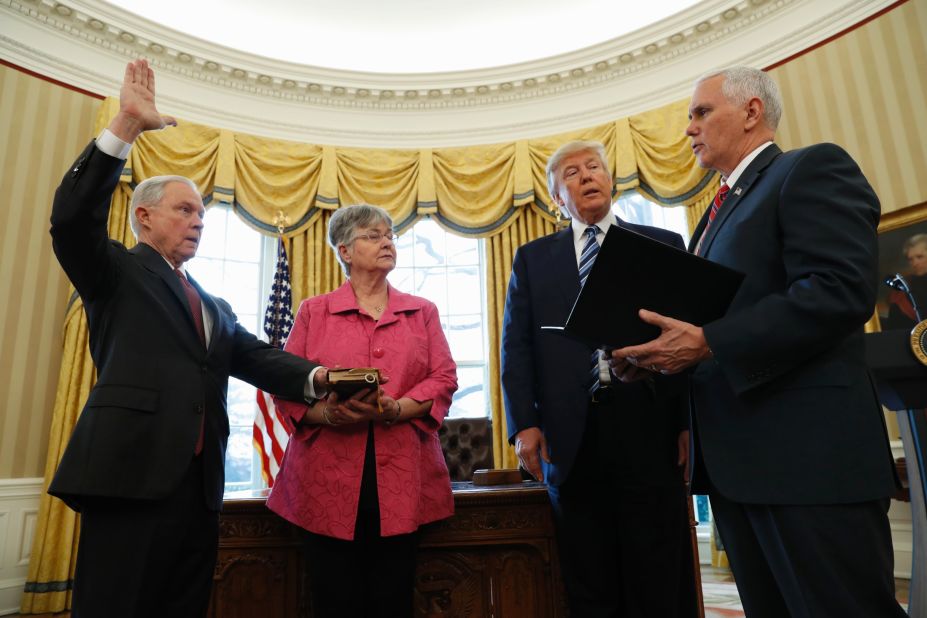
(43, 127)
(867, 91)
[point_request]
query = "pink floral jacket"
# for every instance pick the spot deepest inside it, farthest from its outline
(318, 486)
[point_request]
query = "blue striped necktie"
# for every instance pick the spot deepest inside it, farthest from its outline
(590, 251)
(586, 258)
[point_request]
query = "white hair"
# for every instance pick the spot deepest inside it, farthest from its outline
(150, 192)
(743, 83)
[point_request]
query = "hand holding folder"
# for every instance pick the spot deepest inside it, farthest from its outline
(634, 272)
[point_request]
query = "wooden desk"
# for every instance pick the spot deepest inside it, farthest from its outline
(495, 557)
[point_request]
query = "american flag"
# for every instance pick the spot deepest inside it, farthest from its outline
(271, 430)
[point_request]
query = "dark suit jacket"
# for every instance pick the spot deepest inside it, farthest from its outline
(786, 411)
(136, 434)
(545, 374)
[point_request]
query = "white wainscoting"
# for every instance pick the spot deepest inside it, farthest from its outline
(19, 508)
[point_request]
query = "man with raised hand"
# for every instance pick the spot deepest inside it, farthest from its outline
(145, 464)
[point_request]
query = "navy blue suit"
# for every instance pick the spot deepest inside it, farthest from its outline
(632, 559)
(790, 438)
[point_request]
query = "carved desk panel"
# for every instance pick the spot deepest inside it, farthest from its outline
(495, 557)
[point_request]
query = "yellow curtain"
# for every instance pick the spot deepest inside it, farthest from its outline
(270, 183)
(695, 211)
(314, 269)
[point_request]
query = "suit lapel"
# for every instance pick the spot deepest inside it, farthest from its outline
(186, 327)
(563, 267)
(699, 229)
(734, 198)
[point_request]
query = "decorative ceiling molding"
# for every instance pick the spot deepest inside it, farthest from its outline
(79, 41)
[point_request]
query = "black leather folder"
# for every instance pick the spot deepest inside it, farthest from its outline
(634, 272)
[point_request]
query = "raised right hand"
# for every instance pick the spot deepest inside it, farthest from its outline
(137, 110)
(529, 444)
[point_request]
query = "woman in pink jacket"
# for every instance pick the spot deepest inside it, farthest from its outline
(361, 481)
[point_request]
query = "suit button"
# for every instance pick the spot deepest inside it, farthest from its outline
(200, 408)
(378, 352)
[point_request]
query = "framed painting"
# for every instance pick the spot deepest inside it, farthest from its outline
(902, 251)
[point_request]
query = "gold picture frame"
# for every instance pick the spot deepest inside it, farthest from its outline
(894, 229)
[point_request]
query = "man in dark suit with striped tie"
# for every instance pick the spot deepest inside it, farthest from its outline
(790, 440)
(609, 444)
(145, 464)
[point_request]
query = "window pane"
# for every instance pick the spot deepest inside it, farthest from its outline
(447, 270)
(249, 321)
(212, 242)
(464, 289)
(634, 207)
(238, 457)
(207, 272)
(404, 246)
(403, 278)
(429, 244)
(245, 242)
(431, 283)
(470, 398)
(462, 251)
(241, 402)
(241, 281)
(465, 336)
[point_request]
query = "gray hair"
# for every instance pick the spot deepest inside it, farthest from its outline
(553, 164)
(917, 239)
(346, 219)
(743, 83)
(149, 192)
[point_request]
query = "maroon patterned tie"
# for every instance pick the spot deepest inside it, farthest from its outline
(196, 307)
(715, 206)
(196, 304)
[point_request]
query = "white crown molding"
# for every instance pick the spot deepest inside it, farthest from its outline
(86, 43)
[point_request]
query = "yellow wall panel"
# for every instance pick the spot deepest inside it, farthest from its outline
(866, 91)
(42, 129)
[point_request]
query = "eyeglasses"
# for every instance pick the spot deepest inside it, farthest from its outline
(375, 236)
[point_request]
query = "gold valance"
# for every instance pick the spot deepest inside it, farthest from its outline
(475, 191)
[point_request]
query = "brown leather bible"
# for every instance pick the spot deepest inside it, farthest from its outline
(347, 381)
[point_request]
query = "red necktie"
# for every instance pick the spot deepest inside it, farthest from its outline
(196, 304)
(715, 206)
(196, 307)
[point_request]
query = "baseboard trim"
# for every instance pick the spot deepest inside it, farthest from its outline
(11, 592)
(19, 507)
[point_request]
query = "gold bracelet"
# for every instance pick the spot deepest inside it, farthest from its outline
(398, 414)
(325, 417)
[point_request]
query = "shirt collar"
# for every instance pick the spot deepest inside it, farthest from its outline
(579, 228)
(343, 300)
(731, 180)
